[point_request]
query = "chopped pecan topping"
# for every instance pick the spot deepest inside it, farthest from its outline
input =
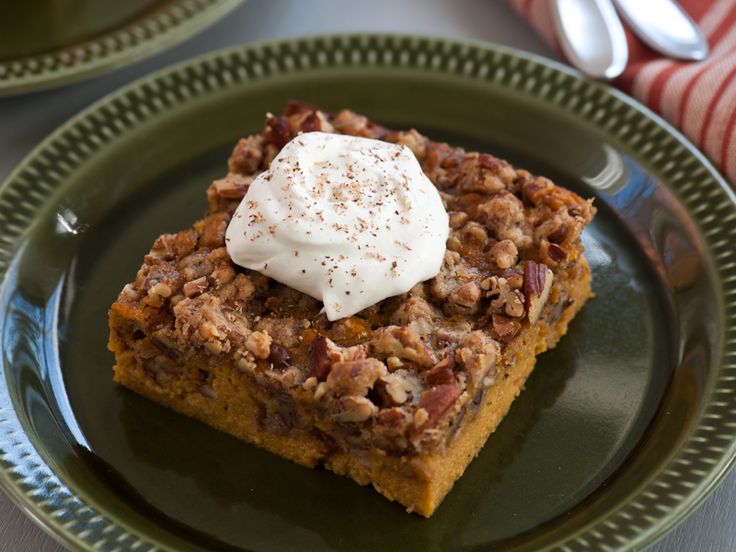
(535, 189)
(159, 290)
(558, 198)
(213, 230)
(355, 409)
(174, 246)
(457, 218)
(484, 173)
(504, 215)
(504, 328)
(196, 265)
(402, 342)
(453, 242)
(514, 279)
(203, 322)
(246, 156)
(418, 314)
(478, 353)
(443, 371)
(259, 344)
(537, 285)
(348, 122)
(316, 121)
(556, 253)
(319, 358)
(401, 385)
(392, 417)
(351, 377)
(278, 131)
(559, 235)
(233, 186)
(504, 254)
(464, 299)
(504, 299)
(195, 287)
(223, 274)
(437, 401)
(474, 233)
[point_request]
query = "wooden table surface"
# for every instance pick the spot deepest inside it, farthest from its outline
(24, 121)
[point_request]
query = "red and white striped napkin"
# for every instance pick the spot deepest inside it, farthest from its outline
(699, 98)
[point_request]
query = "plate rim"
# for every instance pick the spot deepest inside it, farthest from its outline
(262, 50)
(112, 49)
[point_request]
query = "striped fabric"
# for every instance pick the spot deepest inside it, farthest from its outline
(699, 98)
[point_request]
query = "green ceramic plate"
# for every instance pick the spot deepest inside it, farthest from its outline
(621, 432)
(46, 43)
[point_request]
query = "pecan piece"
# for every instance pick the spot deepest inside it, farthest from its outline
(400, 386)
(246, 156)
(316, 121)
(259, 344)
(159, 291)
(478, 353)
(537, 285)
(457, 218)
(319, 358)
(464, 299)
(213, 227)
(504, 215)
(442, 372)
(278, 131)
(233, 186)
(559, 234)
(355, 409)
(404, 343)
(556, 253)
(483, 173)
(475, 233)
(504, 328)
(352, 377)
(504, 253)
(514, 279)
(392, 417)
(418, 314)
(436, 402)
(504, 299)
(195, 287)
(535, 189)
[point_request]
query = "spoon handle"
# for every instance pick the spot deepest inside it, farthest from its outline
(591, 35)
(666, 27)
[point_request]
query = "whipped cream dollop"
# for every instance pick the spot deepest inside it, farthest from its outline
(347, 220)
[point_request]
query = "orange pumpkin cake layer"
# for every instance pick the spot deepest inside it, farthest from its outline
(402, 395)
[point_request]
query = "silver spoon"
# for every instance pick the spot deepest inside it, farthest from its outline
(591, 35)
(665, 27)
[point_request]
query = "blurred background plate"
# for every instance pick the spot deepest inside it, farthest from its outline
(46, 43)
(622, 430)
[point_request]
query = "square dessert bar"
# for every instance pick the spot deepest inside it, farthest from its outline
(402, 395)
